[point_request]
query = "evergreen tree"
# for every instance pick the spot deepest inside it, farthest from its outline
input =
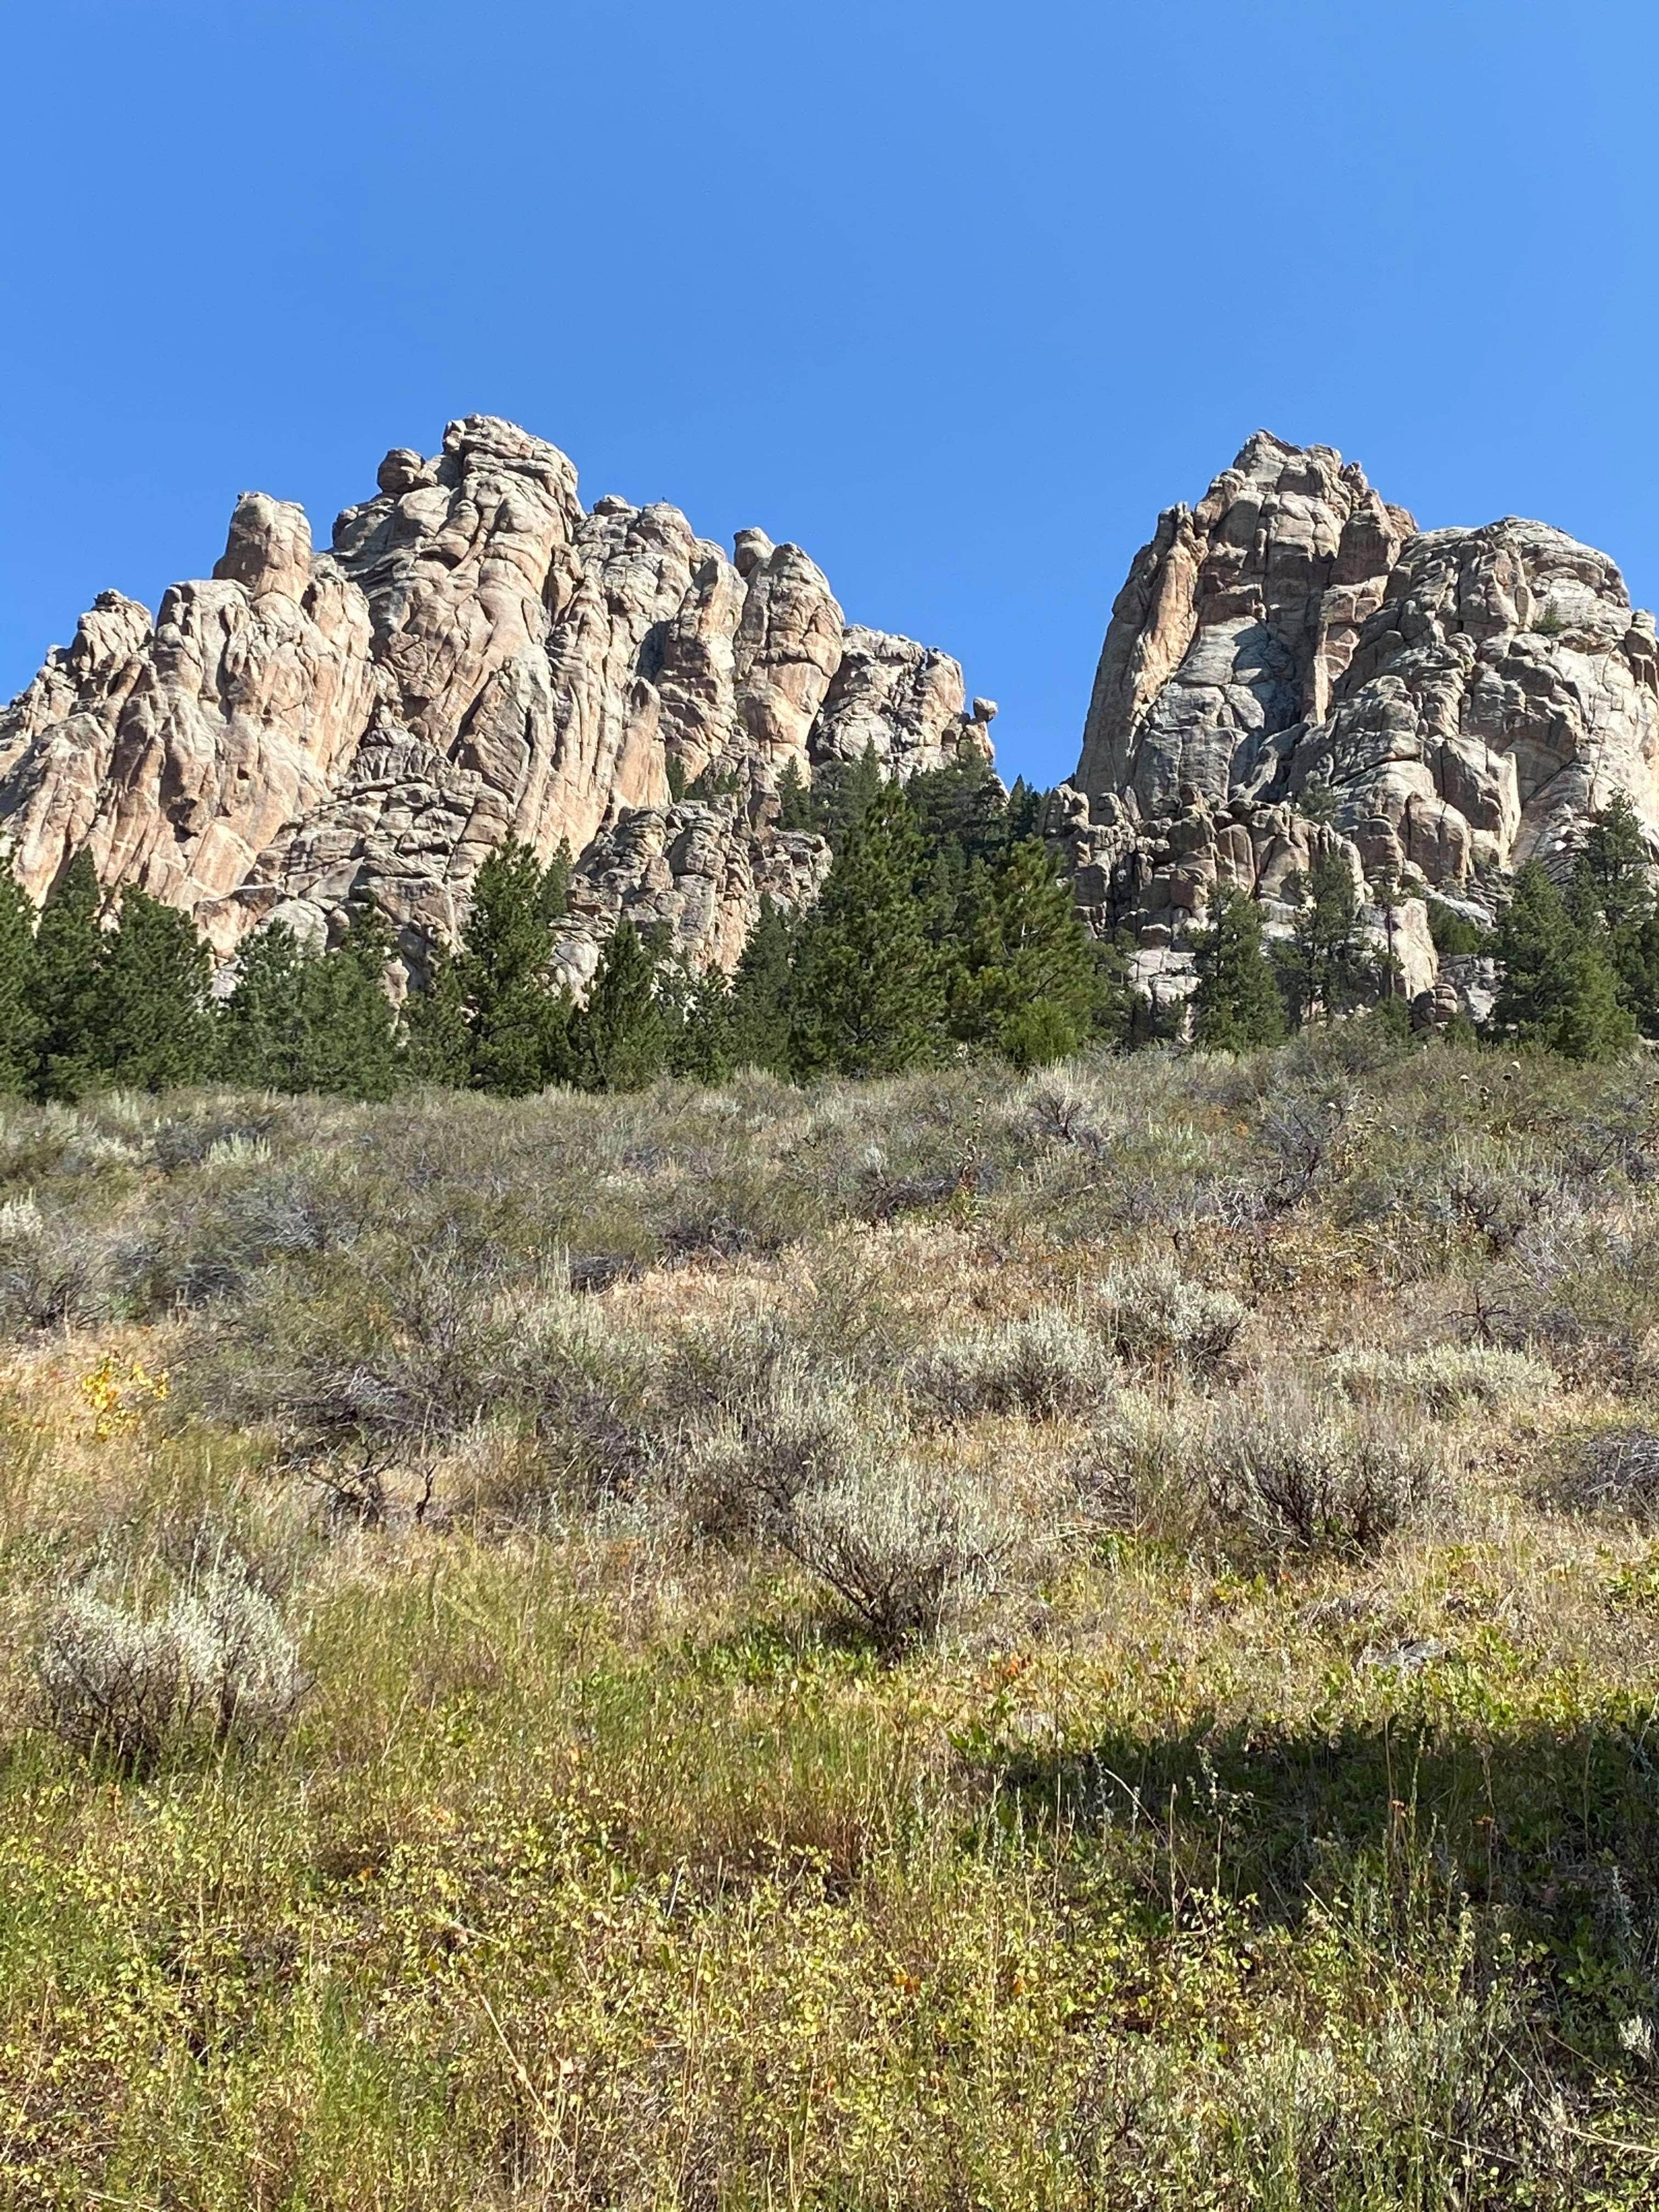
(867, 996)
(757, 1005)
(795, 800)
(262, 1023)
(1451, 933)
(621, 1036)
(350, 1025)
(842, 793)
(517, 1024)
(1326, 968)
(155, 1023)
(1029, 981)
(1559, 988)
(1612, 901)
(1237, 1005)
(18, 1020)
(697, 1012)
(435, 1024)
(962, 809)
(1612, 882)
(63, 984)
(298, 1020)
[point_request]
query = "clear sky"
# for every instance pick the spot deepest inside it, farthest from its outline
(957, 295)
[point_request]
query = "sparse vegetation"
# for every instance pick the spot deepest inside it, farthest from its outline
(1071, 1639)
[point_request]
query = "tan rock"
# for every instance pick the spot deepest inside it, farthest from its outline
(475, 659)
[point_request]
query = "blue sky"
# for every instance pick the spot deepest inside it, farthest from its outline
(956, 295)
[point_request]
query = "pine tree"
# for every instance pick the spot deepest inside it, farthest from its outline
(795, 800)
(18, 1021)
(348, 1025)
(155, 1023)
(1559, 988)
(1328, 968)
(698, 1015)
(842, 793)
(757, 1005)
(962, 809)
(435, 1023)
(1612, 901)
(298, 1020)
(1612, 882)
(517, 1023)
(621, 1036)
(263, 1025)
(63, 984)
(867, 996)
(1029, 981)
(1237, 1005)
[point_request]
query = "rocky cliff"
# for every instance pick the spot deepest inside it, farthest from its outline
(1294, 667)
(475, 657)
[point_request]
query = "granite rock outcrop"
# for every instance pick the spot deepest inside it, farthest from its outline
(1292, 667)
(476, 657)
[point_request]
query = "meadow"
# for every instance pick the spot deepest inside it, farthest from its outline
(1079, 1640)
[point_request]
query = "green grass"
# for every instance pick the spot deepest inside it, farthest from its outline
(609, 1862)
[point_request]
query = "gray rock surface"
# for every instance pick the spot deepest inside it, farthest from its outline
(475, 658)
(1458, 701)
(1468, 695)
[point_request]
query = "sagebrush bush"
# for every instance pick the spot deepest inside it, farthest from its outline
(899, 1543)
(219, 1660)
(1283, 1473)
(1447, 1379)
(1615, 1473)
(109, 1681)
(1044, 1364)
(53, 1272)
(782, 1432)
(1153, 1315)
(239, 1657)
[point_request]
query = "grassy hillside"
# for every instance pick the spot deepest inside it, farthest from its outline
(1084, 1640)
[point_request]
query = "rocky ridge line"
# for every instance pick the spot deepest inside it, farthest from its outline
(475, 657)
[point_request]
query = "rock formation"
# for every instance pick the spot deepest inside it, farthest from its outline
(475, 658)
(1292, 664)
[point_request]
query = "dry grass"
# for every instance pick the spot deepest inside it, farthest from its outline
(842, 1669)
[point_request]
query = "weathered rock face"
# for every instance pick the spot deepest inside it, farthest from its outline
(1237, 622)
(1468, 695)
(1461, 699)
(696, 866)
(475, 658)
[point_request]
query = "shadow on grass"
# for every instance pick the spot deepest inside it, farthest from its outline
(1551, 1833)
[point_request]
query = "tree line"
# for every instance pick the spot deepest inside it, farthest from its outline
(944, 928)
(1578, 964)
